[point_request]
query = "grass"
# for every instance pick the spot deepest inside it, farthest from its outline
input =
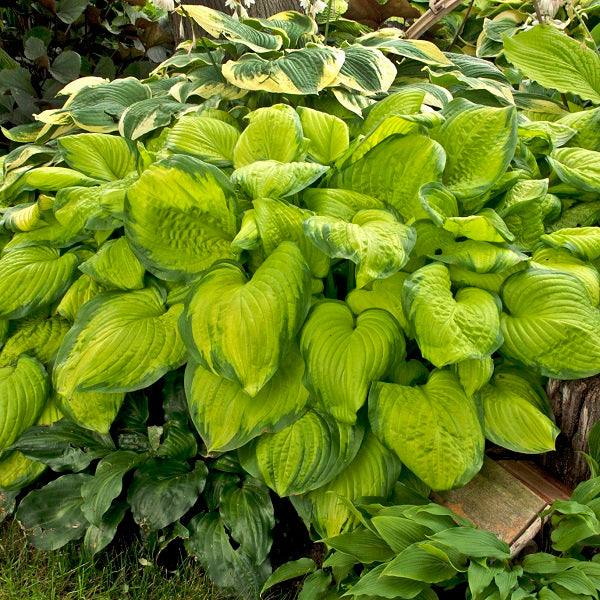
(30, 574)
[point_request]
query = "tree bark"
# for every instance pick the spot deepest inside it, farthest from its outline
(576, 405)
(184, 29)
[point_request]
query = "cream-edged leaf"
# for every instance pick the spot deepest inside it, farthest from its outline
(341, 204)
(366, 70)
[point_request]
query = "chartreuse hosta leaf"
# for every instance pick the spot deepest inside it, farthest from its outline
(560, 259)
(577, 167)
(587, 125)
(304, 71)
(115, 266)
(241, 329)
(556, 61)
(195, 206)
(92, 410)
(479, 142)
(345, 355)
(512, 415)
(97, 155)
(394, 171)
(434, 428)
(485, 226)
(120, 342)
(450, 329)
(584, 242)
(273, 133)
(306, 454)
(82, 289)
(33, 277)
(328, 135)
(402, 102)
(551, 324)
(438, 202)
(211, 140)
(341, 204)
(365, 70)
(492, 282)
(226, 417)
(24, 387)
(273, 179)
(217, 23)
(474, 373)
(375, 240)
(373, 472)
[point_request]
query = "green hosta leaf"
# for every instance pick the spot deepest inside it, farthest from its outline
(560, 259)
(247, 512)
(474, 373)
(120, 342)
(105, 157)
(97, 537)
(304, 71)
(92, 410)
(341, 204)
(258, 319)
(163, 491)
(217, 23)
(328, 135)
(364, 545)
(82, 290)
(419, 565)
(512, 418)
(316, 586)
(227, 417)
(400, 530)
(307, 454)
(290, 570)
(37, 337)
(273, 133)
(343, 355)
(395, 170)
(486, 226)
(195, 206)
(434, 429)
(211, 140)
(24, 387)
(232, 570)
(577, 167)
(33, 277)
(99, 492)
(17, 471)
(52, 515)
(374, 584)
(385, 294)
(551, 324)
(555, 60)
(372, 473)
(479, 142)
(584, 242)
(375, 240)
(273, 179)
(449, 329)
(473, 542)
(366, 70)
(115, 266)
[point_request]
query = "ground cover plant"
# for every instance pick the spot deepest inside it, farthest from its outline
(281, 268)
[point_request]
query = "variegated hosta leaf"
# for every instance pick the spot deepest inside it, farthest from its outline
(24, 387)
(248, 237)
(366, 70)
(434, 429)
(304, 71)
(273, 179)
(438, 202)
(541, 137)
(402, 102)
(147, 116)
(410, 372)
(273, 133)
(115, 266)
(206, 82)
(120, 342)
(512, 415)
(82, 290)
(195, 206)
(375, 240)
(474, 373)
(395, 170)
(584, 242)
(560, 259)
(587, 125)
(33, 277)
(217, 23)
(24, 217)
(37, 337)
(341, 204)
(241, 329)
(101, 156)
(226, 417)
(211, 140)
(551, 324)
(92, 410)
(481, 257)
(373, 472)
(344, 356)
(485, 226)
(448, 329)
(577, 167)
(328, 135)
(277, 221)
(385, 294)
(479, 142)
(306, 454)
(492, 282)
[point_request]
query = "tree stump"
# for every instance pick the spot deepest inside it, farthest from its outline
(576, 405)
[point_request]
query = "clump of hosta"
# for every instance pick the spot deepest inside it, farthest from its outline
(232, 296)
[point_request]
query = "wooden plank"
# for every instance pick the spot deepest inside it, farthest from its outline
(537, 480)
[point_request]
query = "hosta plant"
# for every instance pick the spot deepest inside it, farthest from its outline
(205, 295)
